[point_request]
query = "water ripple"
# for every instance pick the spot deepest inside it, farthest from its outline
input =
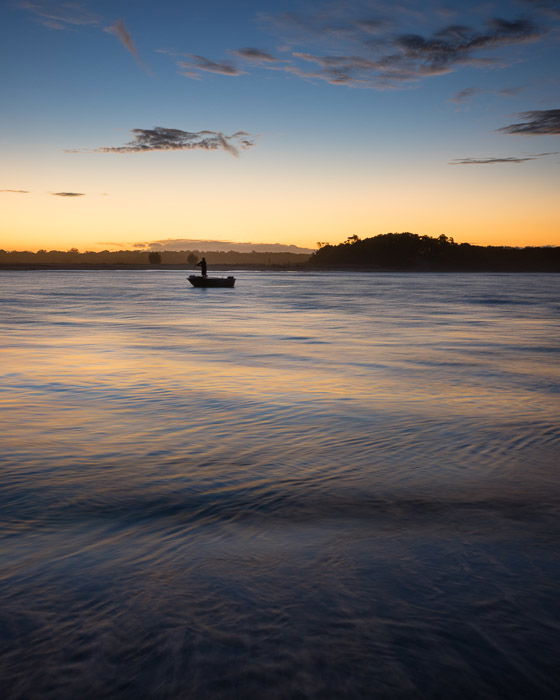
(317, 486)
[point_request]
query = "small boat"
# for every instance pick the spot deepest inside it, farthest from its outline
(200, 281)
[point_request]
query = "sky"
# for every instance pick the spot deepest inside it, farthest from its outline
(126, 123)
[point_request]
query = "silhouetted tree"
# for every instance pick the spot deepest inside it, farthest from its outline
(192, 259)
(154, 258)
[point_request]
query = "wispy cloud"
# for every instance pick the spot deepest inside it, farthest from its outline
(465, 95)
(60, 15)
(71, 15)
(255, 55)
(119, 30)
(16, 191)
(538, 121)
(112, 244)
(68, 194)
(362, 50)
(200, 63)
(369, 44)
(510, 91)
(468, 93)
(333, 20)
(505, 159)
(163, 139)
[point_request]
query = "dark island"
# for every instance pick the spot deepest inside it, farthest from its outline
(409, 251)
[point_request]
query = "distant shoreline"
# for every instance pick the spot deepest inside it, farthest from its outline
(388, 252)
(123, 266)
(263, 268)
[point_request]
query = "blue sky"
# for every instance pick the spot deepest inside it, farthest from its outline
(281, 121)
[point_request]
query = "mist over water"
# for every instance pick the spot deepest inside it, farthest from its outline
(317, 485)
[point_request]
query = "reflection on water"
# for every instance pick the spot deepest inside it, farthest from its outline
(309, 486)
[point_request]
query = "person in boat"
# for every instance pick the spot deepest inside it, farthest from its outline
(203, 266)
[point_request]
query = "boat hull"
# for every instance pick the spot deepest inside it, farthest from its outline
(199, 281)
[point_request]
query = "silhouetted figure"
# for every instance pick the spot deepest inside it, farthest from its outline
(202, 265)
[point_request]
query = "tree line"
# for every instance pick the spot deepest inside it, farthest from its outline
(186, 258)
(388, 251)
(409, 251)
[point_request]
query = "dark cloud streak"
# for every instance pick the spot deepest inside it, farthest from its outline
(68, 194)
(505, 159)
(490, 161)
(456, 43)
(163, 139)
(539, 121)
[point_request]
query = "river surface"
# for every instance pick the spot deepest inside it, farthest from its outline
(316, 485)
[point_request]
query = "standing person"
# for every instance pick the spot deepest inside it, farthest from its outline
(203, 266)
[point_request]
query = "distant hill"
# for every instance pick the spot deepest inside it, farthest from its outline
(409, 251)
(182, 244)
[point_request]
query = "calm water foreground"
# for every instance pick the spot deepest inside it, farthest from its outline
(311, 486)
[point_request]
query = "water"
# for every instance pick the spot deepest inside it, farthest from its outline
(310, 486)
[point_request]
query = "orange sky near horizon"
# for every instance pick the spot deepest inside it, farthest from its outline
(298, 210)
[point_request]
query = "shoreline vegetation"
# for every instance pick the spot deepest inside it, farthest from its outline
(390, 252)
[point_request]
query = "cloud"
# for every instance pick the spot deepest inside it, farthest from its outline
(255, 55)
(368, 44)
(506, 159)
(456, 43)
(163, 139)
(366, 50)
(16, 191)
(539, 121)
(509, 92)
(216, 245)
(465, 95)
(468, 93)
(68, 15)
(200, 63)
(120, 31)
(64, 15)
(68, 194)
(333, 20)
